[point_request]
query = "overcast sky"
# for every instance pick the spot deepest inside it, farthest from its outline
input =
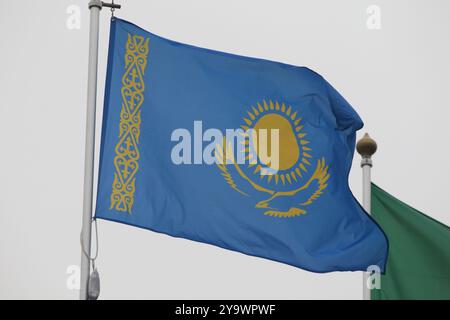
(397, 78)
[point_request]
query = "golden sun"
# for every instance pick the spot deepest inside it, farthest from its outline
(293, 149)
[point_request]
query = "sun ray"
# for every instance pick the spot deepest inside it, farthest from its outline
(301, 135)
(297, 121)
(293, 115)
(256, 112)
(298, 172)
(302, 166)
(288, 178)
(283, 179)
(269, 177)
(306, 155)
(288, 111)
(303, 142)
(244, 127)
(248, 122)
(251, 115)
(306, 148)
(293, 175)
(277, 106)
(283, 108)
(260, 108)
(298, 128)
(276, 178)
(271, 105)
(304, 160)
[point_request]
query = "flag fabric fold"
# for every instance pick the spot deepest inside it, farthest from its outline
(166, 165)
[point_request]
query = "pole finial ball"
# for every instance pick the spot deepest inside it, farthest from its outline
(366, 146)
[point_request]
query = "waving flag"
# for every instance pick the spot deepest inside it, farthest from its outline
(168, 164)
(419, 255)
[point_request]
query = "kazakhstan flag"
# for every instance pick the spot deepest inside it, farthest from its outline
(167, 163)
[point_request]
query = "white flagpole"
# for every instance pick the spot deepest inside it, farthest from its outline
(366, 147)
(94, 6)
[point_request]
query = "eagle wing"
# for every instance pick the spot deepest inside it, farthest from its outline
(321, 176)
(222, 164)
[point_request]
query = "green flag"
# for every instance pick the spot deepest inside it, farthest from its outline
(418, 264)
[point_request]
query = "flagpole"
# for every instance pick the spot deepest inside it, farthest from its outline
(366, 147)
(94, 7)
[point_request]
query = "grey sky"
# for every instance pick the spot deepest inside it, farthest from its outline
(397, 78)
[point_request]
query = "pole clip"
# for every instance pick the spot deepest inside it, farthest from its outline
(112, 6)
(99, 4)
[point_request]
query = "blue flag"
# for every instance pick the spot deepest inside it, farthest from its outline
(242, 153)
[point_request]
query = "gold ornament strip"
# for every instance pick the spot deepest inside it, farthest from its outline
(127, 151)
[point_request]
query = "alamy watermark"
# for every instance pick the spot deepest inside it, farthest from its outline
(373, 21)
(374, 277)
(234, 146)
(73, 277)
(73, 21)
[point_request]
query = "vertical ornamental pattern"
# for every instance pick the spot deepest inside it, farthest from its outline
(127, 149)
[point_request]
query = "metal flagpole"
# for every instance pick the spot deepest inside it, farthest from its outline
(366, 147)
(94, 7)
